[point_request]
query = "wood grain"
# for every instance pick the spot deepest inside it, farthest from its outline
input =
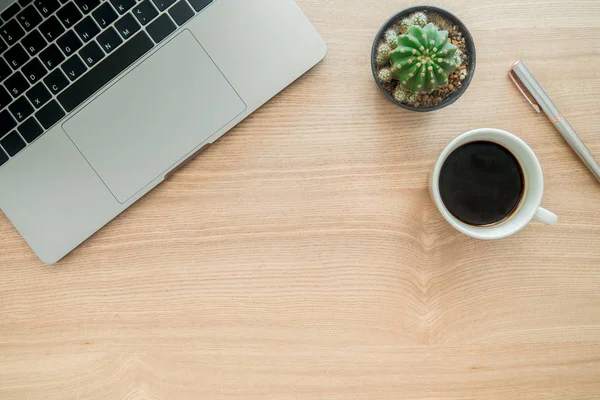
(301, 258)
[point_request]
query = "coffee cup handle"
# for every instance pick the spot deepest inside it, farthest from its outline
(545, 217)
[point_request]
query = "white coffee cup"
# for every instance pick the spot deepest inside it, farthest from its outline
(529, 207)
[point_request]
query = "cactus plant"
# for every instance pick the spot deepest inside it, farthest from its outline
(383, 54)
(391, 37)
(418, 18)
(423, 59)
(385, 75)
(404, 97)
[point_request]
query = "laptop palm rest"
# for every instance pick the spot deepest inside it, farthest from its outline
(154, 116)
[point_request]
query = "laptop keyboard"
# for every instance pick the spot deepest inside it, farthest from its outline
(55, 54)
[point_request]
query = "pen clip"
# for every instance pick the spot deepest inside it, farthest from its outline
(528, 96)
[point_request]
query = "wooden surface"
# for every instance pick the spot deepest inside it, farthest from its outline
(301, 257)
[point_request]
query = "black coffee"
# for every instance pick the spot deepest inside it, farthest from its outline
(481, 183)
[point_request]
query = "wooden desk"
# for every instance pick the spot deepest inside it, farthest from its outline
(301, 257)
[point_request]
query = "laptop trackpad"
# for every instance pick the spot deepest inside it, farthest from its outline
(154, 116)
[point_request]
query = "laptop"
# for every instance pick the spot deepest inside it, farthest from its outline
(101, 100)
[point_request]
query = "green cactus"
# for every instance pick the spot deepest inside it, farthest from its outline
(383, 54)
(418, 18)
(404, 96)
(385, 75)
(423, 59)
(391, 37)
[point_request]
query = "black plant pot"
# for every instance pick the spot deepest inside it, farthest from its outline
(470, 45)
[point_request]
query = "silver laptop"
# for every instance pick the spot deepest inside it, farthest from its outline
(100, 100)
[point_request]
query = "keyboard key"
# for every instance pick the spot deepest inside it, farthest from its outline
(145, 12)
(16, 84)
(122, 6)
(3, 157)
(51, 57)
(161, 28)
(30, 130)
(104, 15)
(10, 12)
(87, 5)
(21, 109)
(109, 40)
(87, 29)
(127, 26)
(38, 95)
(34, 71)
(12, 143)
(7, 122)
(162, 5)
(29, 18)
(91, 54)
(16, 56)
(181, 12)
(5, 70)
(69, 43)
(24, 3)
(4, 97)
(11, 32)
(3, 46)
(33, 43)
(46, 7)
(199, 5)
(73, 67)
(69, 15)
(51, 28)
(56, 81)
(106, 70)
(50, 114)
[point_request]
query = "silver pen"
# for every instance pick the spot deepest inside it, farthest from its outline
(540, 101)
